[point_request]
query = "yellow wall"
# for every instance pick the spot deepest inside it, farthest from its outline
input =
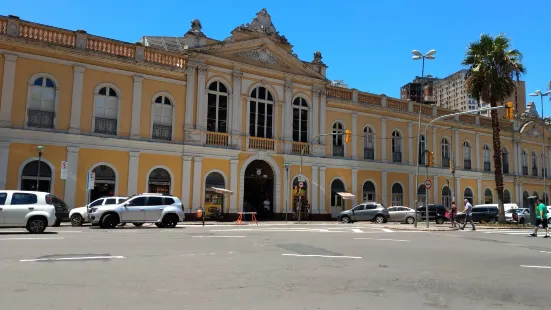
(1, 72)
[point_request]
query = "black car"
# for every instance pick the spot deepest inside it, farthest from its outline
(437, 213)
(482, 214)
(61, 210)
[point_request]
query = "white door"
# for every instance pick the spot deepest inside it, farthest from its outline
(19, 205)
(338, 207)
(134, 210)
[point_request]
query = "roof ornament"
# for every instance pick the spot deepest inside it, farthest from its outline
(196, 27)
(262, 23)
(317, 58)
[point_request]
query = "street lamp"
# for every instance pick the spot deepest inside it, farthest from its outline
(538, 93)
(416, 56)
(39, 149)
(286, 166)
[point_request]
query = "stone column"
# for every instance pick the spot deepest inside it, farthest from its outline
(477, 152)
(436, 147)
(458, 192)
(8, 83)
(323, 195)
(133, 165)
(314, 188)
(479, 191)
(435, 190)
(4, 156)
(411, 190)
(186, 181)
(384, 188)
(197, 181)
(315, 115)
(72, 175)
(76, 100)
(237, 107)
(410, 143)
(136, 107)
(323, 108)
(190, 96)
(457, 150)
(234, 176)
(383, 141)
(200, 117)
(355, 135)
(287, 119)
(354, 187)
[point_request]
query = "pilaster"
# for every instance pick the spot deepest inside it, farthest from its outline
(323, 195)
(8, 83)
(383, 141)
(479, 193)
(287, 119)
(410, 143)
(354, 187)
(384, 188)
(355, 135)
(457, 150)
(4, 157)
(237, 107)
(190, 96)
(197, 181)
(435, 190)
(477, 152)
(76, 99)
(436, 147)
(136, 107)
(186, 182)
(323, 110)
(315, 114)
(200, 117)
(133, 166)
(314, 186)
(72, 172)
(458, 192)
(411, 190)
(233, 185)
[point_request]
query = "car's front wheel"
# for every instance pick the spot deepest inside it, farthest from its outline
(76, 220)
(439, 220)
(37, 225)
(410, 220)
(170, 221)
(379, 219)
(345, 219)
(109, 221)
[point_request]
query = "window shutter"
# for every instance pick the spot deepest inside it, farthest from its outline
(99, 105)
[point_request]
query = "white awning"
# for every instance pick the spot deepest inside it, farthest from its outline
(222, 191)
(346, 196)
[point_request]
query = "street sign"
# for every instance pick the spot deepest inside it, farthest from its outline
(428, 184)
(91, 181)
(63, 170)
(301, 178)
(300, 184)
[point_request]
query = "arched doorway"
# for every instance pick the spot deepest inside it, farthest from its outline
(369, 194)
(214, 200)
(159, 181)
(397, 198)
(468, 194)
(31, 175)
(488, 196)
(446, 197)
(337, 203)
(506, 196)
(106, 181)
(258, 194)
(421, 195)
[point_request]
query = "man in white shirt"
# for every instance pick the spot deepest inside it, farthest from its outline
(468, 214)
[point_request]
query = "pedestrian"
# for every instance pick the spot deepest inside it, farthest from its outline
(468, 215)
(453, 214)
(541, 219)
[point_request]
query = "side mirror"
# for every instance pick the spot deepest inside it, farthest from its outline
(125, 205)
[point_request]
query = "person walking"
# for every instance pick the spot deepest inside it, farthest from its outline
(453, 214)
(468, 215)
(541, 219)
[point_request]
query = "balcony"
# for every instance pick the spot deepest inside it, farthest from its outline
(263, 144)
(446, 162)
(107, 126)
(506, 168)
(487, 166)
(467, 164)
(217, 139)
(524, 170)
(396, 157)
(40, 119)
(338, 150)
(162, 132)
(298, 147)
(535, 171)
(369, 154)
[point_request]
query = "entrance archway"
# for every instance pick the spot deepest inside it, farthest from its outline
(106, 182)
(159, 181)
(258, 194)
(213, 199)
(30, 175)
(337, 203)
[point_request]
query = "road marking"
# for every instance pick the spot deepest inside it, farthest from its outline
(386, 230)
(31, 238)
(324, 256)
(545, 252)
(70, 258)
(218, 236)
(540, 267)
(381, 239)
(357, 230)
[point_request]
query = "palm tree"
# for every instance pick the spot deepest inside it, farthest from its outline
(493, 68)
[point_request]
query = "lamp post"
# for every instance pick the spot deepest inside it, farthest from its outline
(39, 149)
(286, 166)
(416, 56)
(538, 93)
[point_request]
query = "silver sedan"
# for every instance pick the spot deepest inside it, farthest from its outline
(402, 215)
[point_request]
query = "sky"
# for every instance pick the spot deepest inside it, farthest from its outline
(366, 43)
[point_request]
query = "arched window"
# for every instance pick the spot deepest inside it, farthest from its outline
(466, 155)
(217, 107)
(106, 111)
(300, 120)
(369, 143)
(261, 113)
(397, 195)
(338, 145)
(506, 196)
(337, 203)
(421, 195)
(213, 200)
(36, 177)
(445, 149)
(105, 182)
(524, 163)
(396, 147)
(446, 196)
(468, 194)
(505, 160)
(422, 147)
(534, 164)
(487, 158)
(162, 118)
(525, 202)
(41, 105)
(159, 181)
(488, 196)
(369, 194)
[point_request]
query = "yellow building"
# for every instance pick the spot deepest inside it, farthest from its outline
(184, 114)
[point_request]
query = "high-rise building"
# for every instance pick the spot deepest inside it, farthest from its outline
(419, 90)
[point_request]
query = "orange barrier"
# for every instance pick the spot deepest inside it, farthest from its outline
(240, 218)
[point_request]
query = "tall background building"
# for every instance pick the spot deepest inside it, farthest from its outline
(419, 90)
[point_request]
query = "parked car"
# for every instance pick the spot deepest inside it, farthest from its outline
(481, 214)
(437, 213)
(33, 210)
(61, 211)
(402, 215)
(368, 211)
(163, 210)
(79, 216)
(506, 206)
(520, 215)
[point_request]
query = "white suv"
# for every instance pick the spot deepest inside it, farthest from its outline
(163, 210)
(32, 210)
(79, 216)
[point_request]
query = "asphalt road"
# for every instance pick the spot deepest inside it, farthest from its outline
(273, 267)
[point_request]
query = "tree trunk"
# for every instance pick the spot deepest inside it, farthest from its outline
(497, 164)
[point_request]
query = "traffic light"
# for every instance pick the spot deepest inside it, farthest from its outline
(431, 158)
(347, 134)
(509, 111)
(452, 167)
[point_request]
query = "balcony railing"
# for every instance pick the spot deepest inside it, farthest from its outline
(369, 154)
(535, 171)
(106, 126)
(467, 164)
(217, 138)
(396, 157)
(525, 170)
(297, 147)
(162, 132)
(487, 166)
(338, 150)
(446, 162)
(40, 119)
(506, 168)
(261, 144)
